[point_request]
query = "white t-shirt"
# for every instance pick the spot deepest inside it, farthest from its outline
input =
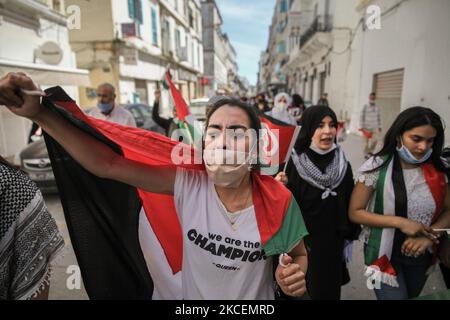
(118, 115)
(219, 261)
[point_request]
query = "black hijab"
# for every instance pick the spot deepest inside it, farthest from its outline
(309, 197)
(312, 117)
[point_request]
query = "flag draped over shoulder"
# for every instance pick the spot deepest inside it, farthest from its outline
(381, 241)
(102, 215)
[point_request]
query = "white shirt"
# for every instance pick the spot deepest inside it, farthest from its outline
(420, 202)
(118, 115)
(219, 261)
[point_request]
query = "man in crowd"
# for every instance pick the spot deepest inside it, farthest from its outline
(370, 125)
(108, 110)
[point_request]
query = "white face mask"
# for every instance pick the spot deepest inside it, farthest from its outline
(280, 106)
(227, 168)
(317, 150)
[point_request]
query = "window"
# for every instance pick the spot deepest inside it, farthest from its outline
(135, 10)
(191, 17)
(177, 39)
(281, 25)
(56, 4)
(198, 56)
(283, 6)
(281, 48)
(277, 67)
(154, 28)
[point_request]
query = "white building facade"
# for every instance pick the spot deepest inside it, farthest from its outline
(131, 43)
(35, 40)
(220, 66)
(406, 60)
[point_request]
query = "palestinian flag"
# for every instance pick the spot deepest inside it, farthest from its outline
(187, 121)
(381, 241)
(102, 215)
(279, 140)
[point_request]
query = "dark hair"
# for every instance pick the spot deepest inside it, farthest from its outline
(255, 123)
(407, 120)
(297, 100)
(373, 94)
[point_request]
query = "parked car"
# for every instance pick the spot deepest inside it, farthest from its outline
(142, 114)
(34, 158)
(35, 162)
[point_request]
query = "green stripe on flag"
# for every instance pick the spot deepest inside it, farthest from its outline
(373, 246)
(292, 231)
(189, 131)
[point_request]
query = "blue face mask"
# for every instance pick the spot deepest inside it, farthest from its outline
(407, 156)
(105, 107)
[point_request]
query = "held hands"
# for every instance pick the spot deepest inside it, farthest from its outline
(290, 277)
(11, 96)
(282, 177)
(416, 229)
(415, 247)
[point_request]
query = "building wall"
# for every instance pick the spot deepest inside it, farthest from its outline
(96, 20)
(21, 42)
(344, 61)
(413, 37)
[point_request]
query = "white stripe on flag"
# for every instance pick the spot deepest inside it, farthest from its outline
(387, 237)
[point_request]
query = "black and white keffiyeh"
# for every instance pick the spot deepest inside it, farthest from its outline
(29, 237)
(327, 181)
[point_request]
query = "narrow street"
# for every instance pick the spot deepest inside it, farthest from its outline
(355, 290)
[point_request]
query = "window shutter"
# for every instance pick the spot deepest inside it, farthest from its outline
(131, 8)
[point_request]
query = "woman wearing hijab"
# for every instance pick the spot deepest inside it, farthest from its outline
(280, 109)
(320, 175)
(29, 238)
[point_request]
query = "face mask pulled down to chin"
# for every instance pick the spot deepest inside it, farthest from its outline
(227, 168)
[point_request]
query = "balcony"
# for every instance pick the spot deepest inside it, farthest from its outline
(321, 23)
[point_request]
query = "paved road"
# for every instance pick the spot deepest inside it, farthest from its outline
(356, 289)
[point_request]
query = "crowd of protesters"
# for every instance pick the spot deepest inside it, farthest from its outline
(397, 203)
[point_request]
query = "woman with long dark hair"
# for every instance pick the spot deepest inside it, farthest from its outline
(29, 237)
(321, 177)
(400, 197)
